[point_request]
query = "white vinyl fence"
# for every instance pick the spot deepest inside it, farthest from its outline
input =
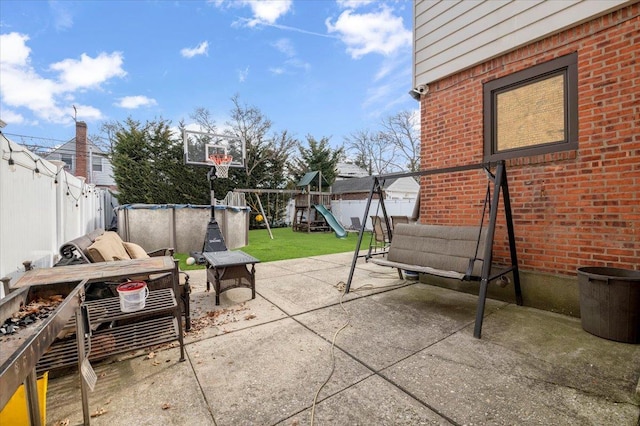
(344, 210)
(41, 207)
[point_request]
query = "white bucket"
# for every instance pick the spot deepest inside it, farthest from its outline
(132, 295)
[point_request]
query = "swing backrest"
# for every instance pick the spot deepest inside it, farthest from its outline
(446, 248)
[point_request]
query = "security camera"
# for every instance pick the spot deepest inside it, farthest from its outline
(423, 89)
(419, 90)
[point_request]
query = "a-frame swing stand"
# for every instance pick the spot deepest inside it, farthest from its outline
(489, 271)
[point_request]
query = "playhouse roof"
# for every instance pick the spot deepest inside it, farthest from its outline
(310, 178)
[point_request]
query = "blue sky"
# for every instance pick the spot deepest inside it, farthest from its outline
(319, 67)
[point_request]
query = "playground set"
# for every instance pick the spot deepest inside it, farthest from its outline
(311, 213)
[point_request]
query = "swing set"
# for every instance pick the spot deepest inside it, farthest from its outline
(281, 194)
(450, 251)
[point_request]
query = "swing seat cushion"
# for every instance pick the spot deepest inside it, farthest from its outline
(435, 249)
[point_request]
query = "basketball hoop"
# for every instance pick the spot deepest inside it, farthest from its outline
(221, 163)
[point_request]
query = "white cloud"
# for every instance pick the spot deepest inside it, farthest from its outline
(298, 63)
(87, 112)
(243, 74)
(267, 11)
(353, 4)
(379, 32)
(13, 49)
(388, 92)
(133, 102)
(285, 46)
(190, 52)
(21, 86)
(89, 72)
(24, 88)
(11, 117)
(62, 17)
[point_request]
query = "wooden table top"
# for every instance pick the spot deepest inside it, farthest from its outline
(101, 271)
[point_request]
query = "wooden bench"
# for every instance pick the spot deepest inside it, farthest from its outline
(445, 251)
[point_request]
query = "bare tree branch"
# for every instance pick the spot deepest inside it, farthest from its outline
(403, 132)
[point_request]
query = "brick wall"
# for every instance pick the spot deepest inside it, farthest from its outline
(81, 149)
(571, 209)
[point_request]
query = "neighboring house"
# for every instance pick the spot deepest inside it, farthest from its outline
(552, 88)
(404, 188)
(349, 170)
(85, 159)
(349, 199)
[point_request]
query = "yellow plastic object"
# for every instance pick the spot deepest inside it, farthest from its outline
(259, 218)
(15, 412)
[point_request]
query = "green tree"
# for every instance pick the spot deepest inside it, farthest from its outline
(318, 156)
(148, 165)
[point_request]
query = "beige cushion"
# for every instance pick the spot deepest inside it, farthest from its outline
(135, 251)
(107, 248)
(447, 248)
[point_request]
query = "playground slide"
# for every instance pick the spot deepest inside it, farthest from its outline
(332, 221)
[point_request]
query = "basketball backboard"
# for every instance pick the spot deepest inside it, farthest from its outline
(200, 146)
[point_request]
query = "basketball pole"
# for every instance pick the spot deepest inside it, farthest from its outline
(211, 175)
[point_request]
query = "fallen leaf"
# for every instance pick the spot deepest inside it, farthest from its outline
(156, 362)
(166, 406)
(151, 355)
(250, 316)
(64, 422)
(99, 412)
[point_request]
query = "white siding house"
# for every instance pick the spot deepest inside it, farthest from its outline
(450, 36)
(99, 168)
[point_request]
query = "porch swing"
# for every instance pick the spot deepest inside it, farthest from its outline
(450, 251)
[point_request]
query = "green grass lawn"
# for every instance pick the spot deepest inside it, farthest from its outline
(287, 244)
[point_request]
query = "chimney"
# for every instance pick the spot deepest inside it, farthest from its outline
(81, 149)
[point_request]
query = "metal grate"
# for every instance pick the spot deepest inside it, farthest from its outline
(143, 331)
(111, 341)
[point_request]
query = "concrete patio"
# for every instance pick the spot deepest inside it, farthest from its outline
(406, 357)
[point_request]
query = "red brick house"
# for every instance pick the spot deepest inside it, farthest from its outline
(553, 88)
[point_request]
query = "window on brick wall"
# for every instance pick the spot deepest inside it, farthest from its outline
(533, 111)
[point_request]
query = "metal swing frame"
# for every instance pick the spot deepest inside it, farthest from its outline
(500, 187)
